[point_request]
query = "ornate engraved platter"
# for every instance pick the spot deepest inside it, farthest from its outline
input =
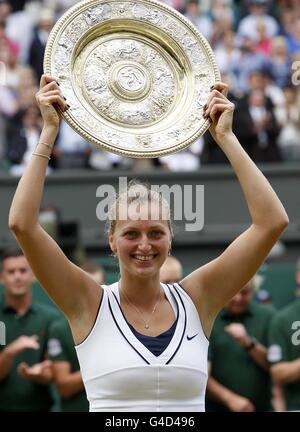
(135, 73)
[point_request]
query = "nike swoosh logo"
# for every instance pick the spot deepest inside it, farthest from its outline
(191, 337)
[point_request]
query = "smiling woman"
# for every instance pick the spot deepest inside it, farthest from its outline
(140, 235)
(142, 345)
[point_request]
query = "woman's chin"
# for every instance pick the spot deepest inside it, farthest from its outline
(146, 271)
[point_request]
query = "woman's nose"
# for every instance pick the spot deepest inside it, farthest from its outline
(144, 244)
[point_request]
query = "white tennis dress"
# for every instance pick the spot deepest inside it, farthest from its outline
(121, 374)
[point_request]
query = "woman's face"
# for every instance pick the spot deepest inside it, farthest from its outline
(141, 245)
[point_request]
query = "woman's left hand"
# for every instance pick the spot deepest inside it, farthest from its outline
(220, 111)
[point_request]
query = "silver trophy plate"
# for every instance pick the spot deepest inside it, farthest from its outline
(135, 73)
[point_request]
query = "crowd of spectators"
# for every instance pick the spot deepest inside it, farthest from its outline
(257, 48)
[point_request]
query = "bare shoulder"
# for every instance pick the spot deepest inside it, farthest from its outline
(193, 284)
(85, 317)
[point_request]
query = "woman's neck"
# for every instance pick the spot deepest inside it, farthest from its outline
(140, 290)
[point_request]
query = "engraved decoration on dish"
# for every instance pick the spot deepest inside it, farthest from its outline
(136, 75)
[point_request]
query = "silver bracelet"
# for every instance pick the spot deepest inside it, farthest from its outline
(45, 144)
(42, 155)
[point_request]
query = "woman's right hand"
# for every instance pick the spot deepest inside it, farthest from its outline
(50, 101)
(220, 110)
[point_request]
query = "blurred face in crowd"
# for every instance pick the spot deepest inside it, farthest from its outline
(229, 38)
(290, 95)
(279, 47)
(17, 276)
(5, 10)
(221, 4)
(27, 77)
(193, 9)
(171, 271)
(261, 29)
(256, 81)
(296, 29)
(258, 9)
(287, 17)
(7, 56)
(257, 98)
(98, 277)
(247, 46)
(31, 118)
(241, 301)
(26, 96)
(46, 24)
(4, 53)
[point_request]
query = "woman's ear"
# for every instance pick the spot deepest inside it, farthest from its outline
(112, 244)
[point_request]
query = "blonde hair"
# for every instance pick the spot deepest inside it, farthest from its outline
(137, 193)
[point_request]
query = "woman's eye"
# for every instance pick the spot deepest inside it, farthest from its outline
(156, 234)
(131, 234)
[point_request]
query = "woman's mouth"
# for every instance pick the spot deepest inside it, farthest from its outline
(144, 257)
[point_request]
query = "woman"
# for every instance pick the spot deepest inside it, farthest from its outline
(142, 345)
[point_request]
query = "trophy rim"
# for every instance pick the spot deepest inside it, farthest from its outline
(89, 137)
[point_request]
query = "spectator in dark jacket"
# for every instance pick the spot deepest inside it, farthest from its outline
(39, 41)
(22, 135)
(259, 128)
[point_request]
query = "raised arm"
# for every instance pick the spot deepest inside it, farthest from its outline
(214, 284)
(70, 287)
